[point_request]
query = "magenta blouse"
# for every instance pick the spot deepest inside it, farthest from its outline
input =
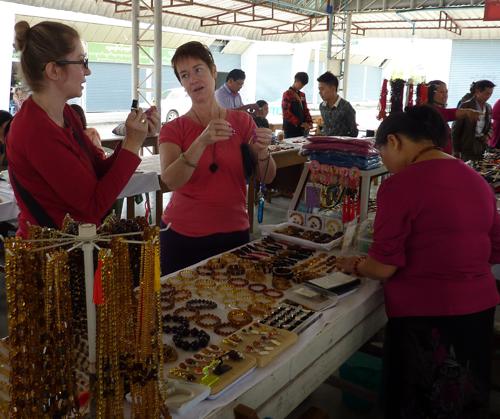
(437, 222)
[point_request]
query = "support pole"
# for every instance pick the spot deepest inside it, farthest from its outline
(135, 49)
(347, 53)
(157, 52)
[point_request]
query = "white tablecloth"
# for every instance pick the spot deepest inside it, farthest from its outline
(8, 205)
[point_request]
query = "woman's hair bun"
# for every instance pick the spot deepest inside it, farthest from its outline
(22, 29)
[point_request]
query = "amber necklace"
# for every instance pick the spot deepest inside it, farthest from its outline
(423, 151)
(213, 166)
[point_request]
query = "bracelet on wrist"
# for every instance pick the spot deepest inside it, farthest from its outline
(186, 161)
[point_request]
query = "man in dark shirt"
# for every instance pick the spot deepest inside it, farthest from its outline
(297, 120)
(339, 117)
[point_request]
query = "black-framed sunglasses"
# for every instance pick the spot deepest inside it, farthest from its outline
(84, 62)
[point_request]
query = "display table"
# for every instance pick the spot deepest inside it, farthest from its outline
(110, 140)
(280, 387)
(8, 206)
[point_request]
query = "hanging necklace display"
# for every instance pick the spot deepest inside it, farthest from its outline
(42, 340)
(213, 166)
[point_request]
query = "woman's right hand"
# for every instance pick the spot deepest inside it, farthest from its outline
(136, 130)
(216, 130)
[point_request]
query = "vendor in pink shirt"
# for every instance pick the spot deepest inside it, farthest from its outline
(202, 155)
(436, 233)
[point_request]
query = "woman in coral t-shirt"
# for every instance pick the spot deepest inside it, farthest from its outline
(202, 160)
(436, 234)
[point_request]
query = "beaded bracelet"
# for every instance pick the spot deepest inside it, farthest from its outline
(208, 321)
(188, 275)
(182, 328)
(194, 340)
(225, 329)
(238, 282)
(239, 318)
(167, 305)
(187, 313)
(204, 271)
(273, 293)
(257, 288)
(216, 264)
(181, 295)
(200, 304)
(235, 269)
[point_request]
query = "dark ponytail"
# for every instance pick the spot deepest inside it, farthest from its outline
(419, 123)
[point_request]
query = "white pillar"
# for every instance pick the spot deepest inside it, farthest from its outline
(7, 22)
(135, 49)
(347, 55)
(249, 66)
(157, 52)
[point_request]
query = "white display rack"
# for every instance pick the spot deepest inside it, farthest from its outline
(365, 185)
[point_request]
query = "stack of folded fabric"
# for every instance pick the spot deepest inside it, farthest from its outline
(343, 152)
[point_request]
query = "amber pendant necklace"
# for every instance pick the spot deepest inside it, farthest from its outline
(213, 166)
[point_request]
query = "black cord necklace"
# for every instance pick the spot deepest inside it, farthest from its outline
(213, 166)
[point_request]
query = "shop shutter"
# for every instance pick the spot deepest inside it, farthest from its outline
(473, 60)
(109, 87)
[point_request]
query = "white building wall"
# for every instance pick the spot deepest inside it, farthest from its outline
(7, 21)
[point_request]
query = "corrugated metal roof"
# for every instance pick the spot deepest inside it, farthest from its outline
(421, 23)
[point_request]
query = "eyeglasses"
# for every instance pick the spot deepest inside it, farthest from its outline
(84, 62)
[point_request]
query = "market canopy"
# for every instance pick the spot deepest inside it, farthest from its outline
(294, 21)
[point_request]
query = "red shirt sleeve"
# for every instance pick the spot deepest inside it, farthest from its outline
(171, 132)
(447, 114)
(392, 226)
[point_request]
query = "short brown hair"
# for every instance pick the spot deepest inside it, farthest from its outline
(193, 49)
(41, 44)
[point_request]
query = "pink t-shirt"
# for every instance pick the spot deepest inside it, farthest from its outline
(209, 202)
(437, 222)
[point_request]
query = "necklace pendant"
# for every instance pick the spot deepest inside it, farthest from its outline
(213, 167)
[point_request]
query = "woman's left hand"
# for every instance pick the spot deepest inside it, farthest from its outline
(347, 264)
(153, 121)
(261, 141)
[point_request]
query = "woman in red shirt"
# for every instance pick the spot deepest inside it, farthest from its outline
(436, 234)
(201, 161)
(53, 166)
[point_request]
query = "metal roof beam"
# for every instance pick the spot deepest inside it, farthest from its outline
(447, 23)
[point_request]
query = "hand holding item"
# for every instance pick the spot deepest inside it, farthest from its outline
(153, 118)
(349, 265)
(306, 125)
(261, 141)
(136, 126)
(216, 130)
